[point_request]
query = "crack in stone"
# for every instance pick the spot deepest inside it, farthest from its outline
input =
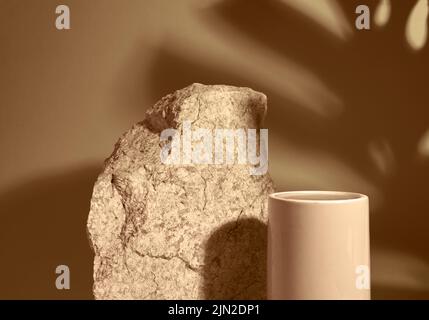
(204, 193)
(155, 281)
(198, 110)
(167, 258)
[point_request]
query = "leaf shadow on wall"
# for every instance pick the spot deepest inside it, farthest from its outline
(44, 225)
(382, 84)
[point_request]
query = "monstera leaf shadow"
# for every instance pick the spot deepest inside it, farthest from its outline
(382, 84)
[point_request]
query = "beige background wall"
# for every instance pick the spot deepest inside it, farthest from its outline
(348, 110)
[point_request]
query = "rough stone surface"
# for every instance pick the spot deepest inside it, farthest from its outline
(181, 232)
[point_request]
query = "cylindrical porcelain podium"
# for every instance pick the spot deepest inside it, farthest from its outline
(318, 245)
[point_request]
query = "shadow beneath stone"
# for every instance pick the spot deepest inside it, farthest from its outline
(235, 261)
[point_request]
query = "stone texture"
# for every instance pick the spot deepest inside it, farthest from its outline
(181, 232)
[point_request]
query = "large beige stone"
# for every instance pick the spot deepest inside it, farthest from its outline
(193, 231)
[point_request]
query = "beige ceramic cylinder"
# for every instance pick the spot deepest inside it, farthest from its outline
(318, 245)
